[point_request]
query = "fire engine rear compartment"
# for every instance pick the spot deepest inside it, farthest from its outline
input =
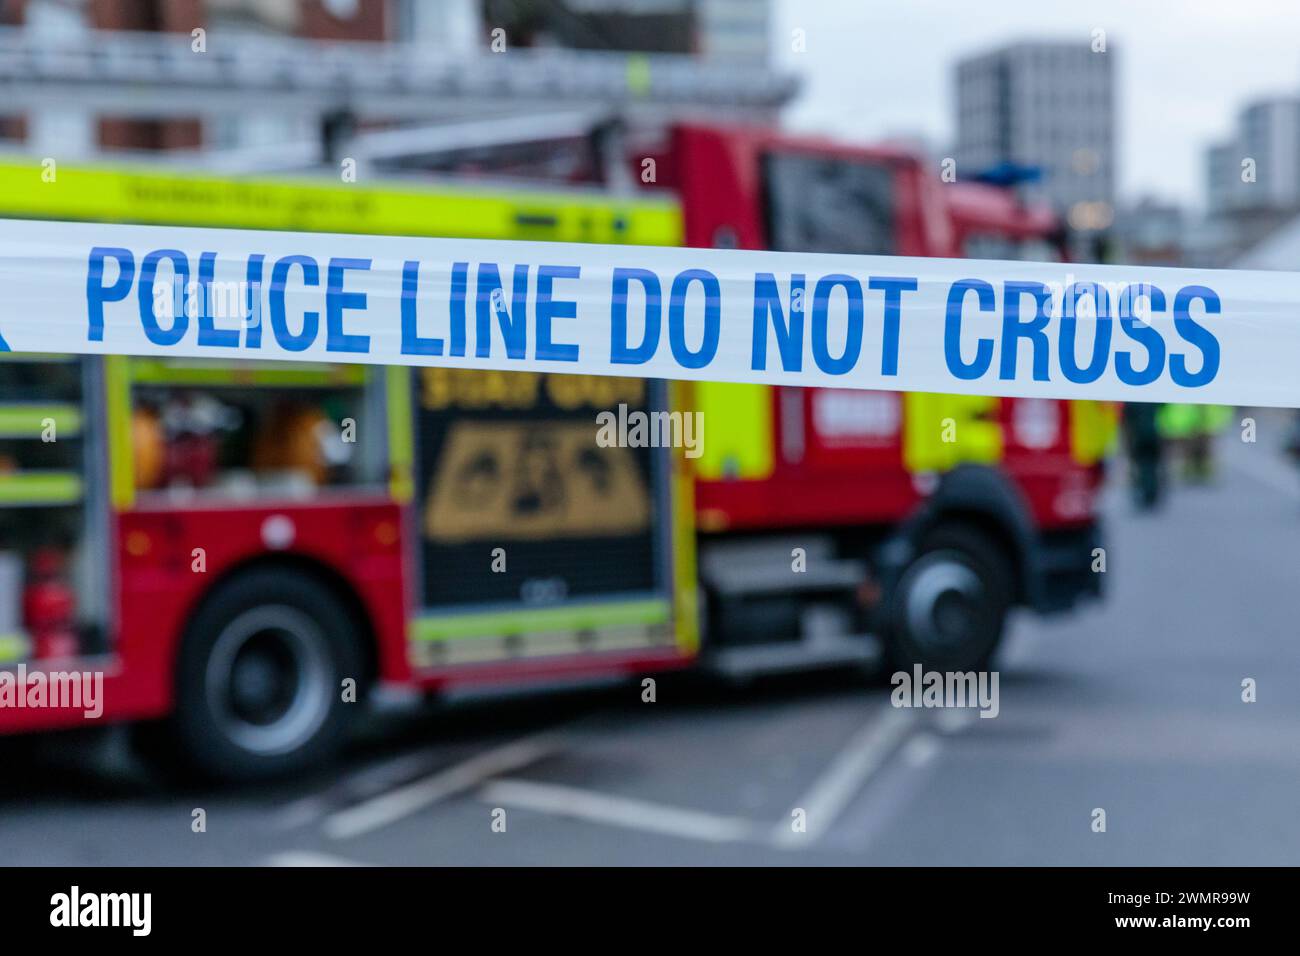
(534, 537)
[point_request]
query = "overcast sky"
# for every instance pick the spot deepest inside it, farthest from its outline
(876, 68)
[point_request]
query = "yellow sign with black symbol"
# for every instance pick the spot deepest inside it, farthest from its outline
(517, 497)
(527, 482)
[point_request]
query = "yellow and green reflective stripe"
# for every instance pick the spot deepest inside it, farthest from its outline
(401, 448)
(215, 372)
(1092, 429)
(38, 357)
(13, 647)
(538, 620)
(943, 431)
(170, 198)
(739, 422)
(685, 580)
(121, 451)
(40, 488)
(21, 420)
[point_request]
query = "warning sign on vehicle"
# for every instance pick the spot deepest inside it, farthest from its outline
(539, 480)
(517, 497)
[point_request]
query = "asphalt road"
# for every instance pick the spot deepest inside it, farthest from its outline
(1132, 706)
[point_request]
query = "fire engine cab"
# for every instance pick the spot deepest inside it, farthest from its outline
(919, 518)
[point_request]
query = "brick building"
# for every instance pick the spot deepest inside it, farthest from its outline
(68, 130)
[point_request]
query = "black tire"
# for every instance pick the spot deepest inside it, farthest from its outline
(259, 678)
(949, 606)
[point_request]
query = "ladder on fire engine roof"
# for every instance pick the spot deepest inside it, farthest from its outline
(156, 75)
(388, 148)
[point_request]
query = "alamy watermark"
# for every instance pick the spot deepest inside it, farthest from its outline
(946, 689)
(63, 690)
(1091, 299)
(133, 911)
(640, 429)
(218, 299)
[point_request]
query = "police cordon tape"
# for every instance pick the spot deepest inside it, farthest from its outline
(1057, 330)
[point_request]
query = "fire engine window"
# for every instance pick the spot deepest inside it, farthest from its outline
(992, 245)
(236, 432)
(828, 204)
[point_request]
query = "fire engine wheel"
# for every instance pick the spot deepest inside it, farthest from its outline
(949, 607)
(259, 685)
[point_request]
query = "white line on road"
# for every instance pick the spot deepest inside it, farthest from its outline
(307, 858)
(1020, 647)
(300, 813)
(921, 749)
(953, 720)
(841, 781)
(367, 782)
(617, 811)
(389, 807)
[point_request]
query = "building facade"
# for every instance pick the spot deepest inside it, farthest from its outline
(1048, 105)
(718, 31)
(1258, 168)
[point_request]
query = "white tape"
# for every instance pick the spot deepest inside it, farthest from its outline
(941, 325)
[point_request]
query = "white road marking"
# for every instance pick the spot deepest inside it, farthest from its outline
(300, 813)
(1022, 644)
(617, 811)
(953, 720)
(848, 772)
(410, 798)
(921, 749)
(367, 782)
(307, 858)
(386, 774)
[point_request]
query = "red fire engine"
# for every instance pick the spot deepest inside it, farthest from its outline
(231, 547)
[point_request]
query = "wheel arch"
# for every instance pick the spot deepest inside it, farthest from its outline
(320, 571)
(985, 499)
